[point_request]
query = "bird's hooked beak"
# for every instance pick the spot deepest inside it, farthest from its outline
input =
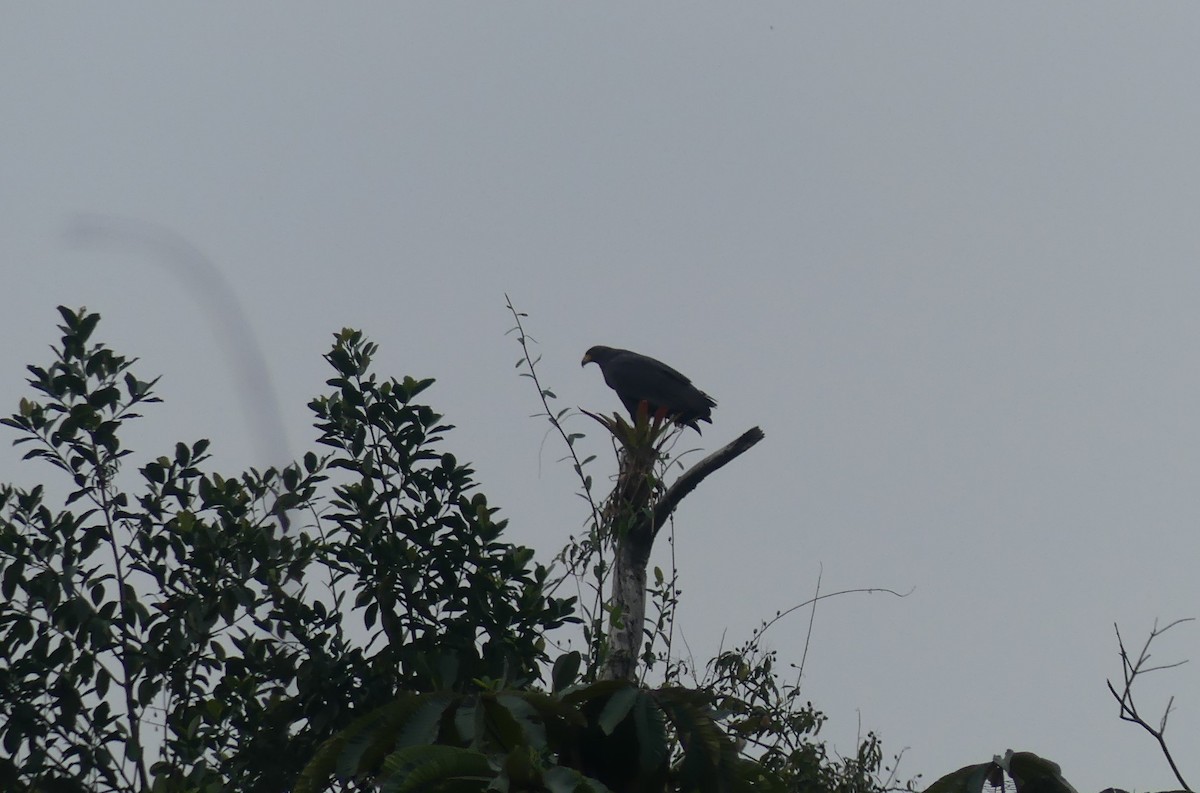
(586, 360)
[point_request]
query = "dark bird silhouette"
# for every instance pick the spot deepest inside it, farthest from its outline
(638, 378)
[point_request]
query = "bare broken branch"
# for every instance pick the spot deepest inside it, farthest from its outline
(691, 478)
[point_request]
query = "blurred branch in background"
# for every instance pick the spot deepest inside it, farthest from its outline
(204, 282)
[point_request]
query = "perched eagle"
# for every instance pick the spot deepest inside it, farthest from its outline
(637, 378)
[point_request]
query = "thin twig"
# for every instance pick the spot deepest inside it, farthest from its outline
(1130, 669)
(812, 618)
(554, 422)
(674, 603)
(522, 339)
(813, 600)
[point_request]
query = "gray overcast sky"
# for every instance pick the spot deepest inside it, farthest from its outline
(945, 254)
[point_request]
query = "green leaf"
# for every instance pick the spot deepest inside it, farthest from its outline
(653, 748)
(87, 325)
(1037, 773)
(435, 768)
(968, 779)
(502, 730)
(617, 708)
(566, 670)
(154, 472)
(527, 718)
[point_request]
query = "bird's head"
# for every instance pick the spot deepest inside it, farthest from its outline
(598, 354)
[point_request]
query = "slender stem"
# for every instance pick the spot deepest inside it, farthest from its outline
(391, 623)
(812, 618)
(128, 639)
(593, 546)
(522, 339)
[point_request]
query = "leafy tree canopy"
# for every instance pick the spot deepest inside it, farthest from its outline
(166, 630)
(353, 620)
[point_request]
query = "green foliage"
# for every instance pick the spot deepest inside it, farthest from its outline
(1024, 771)
(455, 603)
(610, 735)
(169, 631)
(779, 727)
(354, 616)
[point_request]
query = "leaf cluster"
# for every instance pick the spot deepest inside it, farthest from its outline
(170, 628)
(609, 735)
(421, 546)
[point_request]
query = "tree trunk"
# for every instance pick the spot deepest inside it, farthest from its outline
(629, 596)
(633, 523)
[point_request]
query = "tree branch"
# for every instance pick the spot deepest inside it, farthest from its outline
(694, 476)
(1131, 669)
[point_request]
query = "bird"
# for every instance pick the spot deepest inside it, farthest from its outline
(639, 378)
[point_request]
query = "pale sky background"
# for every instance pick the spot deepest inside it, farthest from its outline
(947, 255)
